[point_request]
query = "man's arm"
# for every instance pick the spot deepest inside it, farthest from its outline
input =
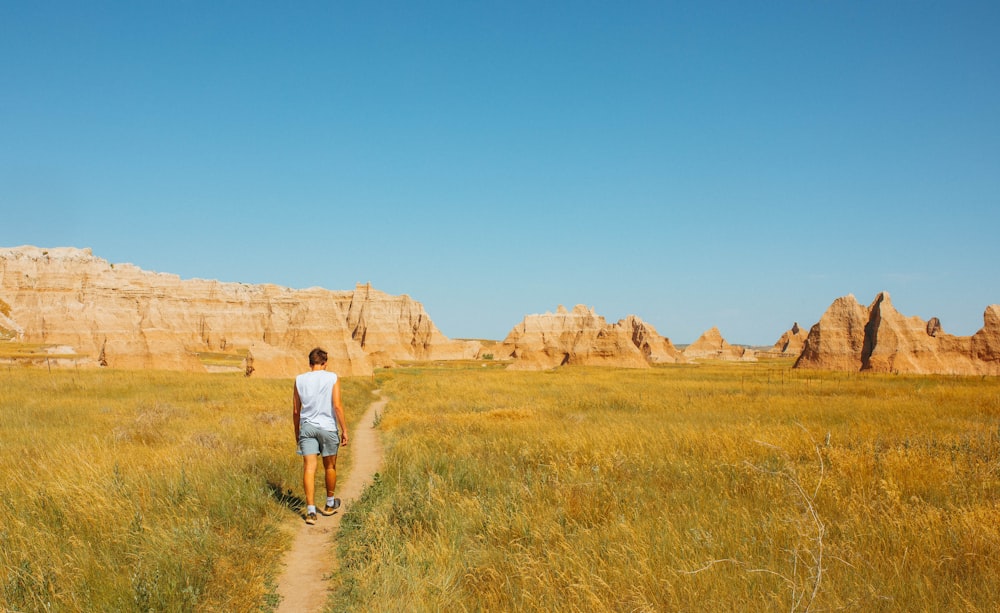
(338, 409)
(296, 411)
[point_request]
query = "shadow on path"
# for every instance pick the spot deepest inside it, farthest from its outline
(286, 498)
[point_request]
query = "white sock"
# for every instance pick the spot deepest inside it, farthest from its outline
(311, 509)
(329, 501)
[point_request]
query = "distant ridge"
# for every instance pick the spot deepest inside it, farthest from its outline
(65, 307)
(581, 337)
(711, 345)
(102, 314)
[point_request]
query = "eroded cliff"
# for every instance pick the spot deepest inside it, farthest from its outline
(878, 338)
(122, 316)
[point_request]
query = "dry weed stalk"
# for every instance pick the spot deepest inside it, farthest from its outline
(812, 557)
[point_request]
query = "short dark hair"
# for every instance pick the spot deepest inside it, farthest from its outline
(317, 356)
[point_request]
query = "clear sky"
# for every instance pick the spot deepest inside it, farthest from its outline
(732, 164)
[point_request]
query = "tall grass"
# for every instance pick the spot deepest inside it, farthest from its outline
(145, 491)
(716, 487)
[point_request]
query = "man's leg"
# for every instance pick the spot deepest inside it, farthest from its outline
(309, 477)
(330, 468)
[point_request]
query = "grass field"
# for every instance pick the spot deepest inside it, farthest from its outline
(684, 488)
(145, 491)
(715, 487)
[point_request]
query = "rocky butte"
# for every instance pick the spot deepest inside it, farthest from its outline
(790, 344)
(582, 337)
(712, 346)
(877, 338)
(119, 315)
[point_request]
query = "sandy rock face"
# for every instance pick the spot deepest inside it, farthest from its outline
(790, 343)
(8, 327)
(582, 337)
(657, 349)
(836, 342)
(878, 338)
(986, 342)
(711, 345)
(132, 318)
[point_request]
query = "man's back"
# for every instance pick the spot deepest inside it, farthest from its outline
(316, 394)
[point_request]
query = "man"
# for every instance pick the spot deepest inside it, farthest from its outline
(319, 429)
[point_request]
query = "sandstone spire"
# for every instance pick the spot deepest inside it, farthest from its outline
(879, 339)
(837, 340)
(790, 343)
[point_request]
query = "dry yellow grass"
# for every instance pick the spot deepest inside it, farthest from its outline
(717, 487)
(139, 491)
(17, 353)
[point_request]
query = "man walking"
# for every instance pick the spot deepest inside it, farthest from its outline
(319, 429)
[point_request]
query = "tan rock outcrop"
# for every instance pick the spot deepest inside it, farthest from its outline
(657, 349)
(9, 329)
(878, 338)
(791, 342)
(986, 342)
(711, 346)
(836, 342)
(132, 318)
(582, 337)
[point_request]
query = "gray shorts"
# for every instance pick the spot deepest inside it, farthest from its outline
(313, 440)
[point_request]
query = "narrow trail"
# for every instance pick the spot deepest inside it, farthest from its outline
(304, 582)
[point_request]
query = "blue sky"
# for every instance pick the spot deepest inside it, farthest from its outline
(698, 164)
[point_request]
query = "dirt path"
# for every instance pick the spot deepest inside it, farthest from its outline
(303, 583)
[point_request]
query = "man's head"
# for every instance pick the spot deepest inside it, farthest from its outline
(317, 357)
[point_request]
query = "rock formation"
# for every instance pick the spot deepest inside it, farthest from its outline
(837, 340)
(933, 326)
(791, 342)
(8, 327)
(878, 338)
(126, 317)
(582, 337)
(712, 346)
(657, 349)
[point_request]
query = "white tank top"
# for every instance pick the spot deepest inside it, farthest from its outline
(316, 393)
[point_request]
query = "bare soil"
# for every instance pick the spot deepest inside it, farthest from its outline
(304, 582)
